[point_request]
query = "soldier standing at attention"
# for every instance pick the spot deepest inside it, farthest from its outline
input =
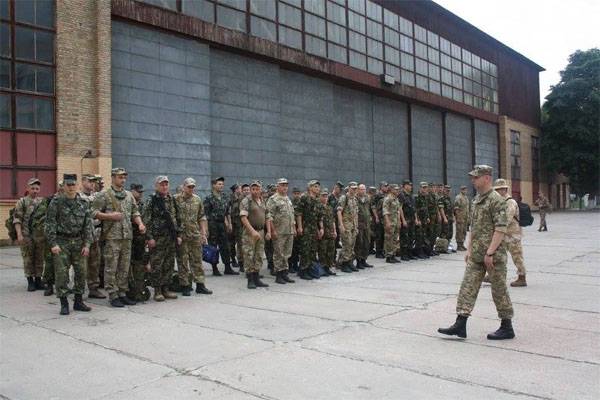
(253, 217)
(281, 227)
(117, 208)
(240, 229)
(49, 276)
(363, 235)
(422, 206)
(514, 232)
(377, 212)
(139, 256)
(236, 225)
(391, 223)
(69, 233)
(462, 208)
(326, 245)
(435, 219)
(333, 200)
(449, 214)
(216, 209)
(408, 242)
(309, 225)
(268, 242)
(164, 235)
(88, 192)
(294, 260)
(347, 217)
(486, 252)
(194, 227)
(544, 205)
(371, 192)
(32, 243)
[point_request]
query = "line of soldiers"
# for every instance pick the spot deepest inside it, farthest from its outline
(116, 240)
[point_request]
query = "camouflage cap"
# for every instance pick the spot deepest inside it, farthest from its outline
(481, 170)
(244, 185)
(325, 192)
(217, 179)
(406, 182)
(118, 171)
(234, 187)
(34, 181)
(352, 184)
(424, 184)
(138, 187)
(161, 179)
(463, 187)
(339, 184)
(282, 181)
(98, 177)
(314, 182)
(88, 177)
(383, 183)
(447, 187)
(189, 182)
(69, 179)
(372, 189)
(296, 190)
(394, 186)
(500, 184)
(256, 183)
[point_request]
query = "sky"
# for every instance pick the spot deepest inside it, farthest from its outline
(545, 31)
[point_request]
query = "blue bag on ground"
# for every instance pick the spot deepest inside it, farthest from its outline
(210, 254)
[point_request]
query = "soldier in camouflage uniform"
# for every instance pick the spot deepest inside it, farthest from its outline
(363, 235)
(281, 228)
(408, 239)
(253, 217)
(117, 208)
(544, 206)
(216, 209)
(164, 236)
(333, 201)
(139, 255)
(326, 245)
(49, 269)
(422, 206)
(309, 225)
(347, 217)
(194, 227)
(88, 186)
(377, 213)
(391, 224)
(371, 192)
(462, 208)
(435, 218)
(487, 252)
(69, 234)
(269, 250)
(294, 261)
(448, 226)
(235, 238)
(32, 241)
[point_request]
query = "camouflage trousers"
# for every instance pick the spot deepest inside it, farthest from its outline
(93, 266)
(543, 220)
(447, 230)
(363, 243)
(189, 261)
(379, 238)
(308, 249)
(407, 238)
(471, 283)
(461, 231)
(433, 233)
(348, 242)
(137, 269)
(117, 259)
(420, 240)
(282, 251)
(70, 255)
(253, 251)
(515, 249)
(235, 241)
(392, 240)
(326, 251)
(217, 237)
(162, 261)
(48, 274)
(33, 256)
(269, 250)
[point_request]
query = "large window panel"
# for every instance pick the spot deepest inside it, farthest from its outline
(420, 33)
(457, 94)
(4, 74)
(394, 71)
(407, 62)
(264, 8)
(4, 40)
(433, 55)
(34, 45)
(290, 37)
(231, 19)
(239, 4)
(392, 55)
(456, 51)
(315, 25)
(390, 19)
(447, 91)
(392, 37)
(374, 11)
(314, 6)
(358, 60)
(336, 13)
(446, 76)
(34, 113)
(374, 30)
(421, 50)
(336, 33)
(34, 78)
(35, 12)
(434, 72)
(298, 3)
(315, 46)
(456, 66)
(445, 45)
(406, 44)
(290, 16)
(433, 40)
(204, 9)
(375, 48)
(422, 67)
(422, 82)
(263, 28)
(434, 86)
(356, 22)
(374, 66)
(406, 26)
(457, 81)
(407, 78)
(5, 114)
(336, 53)
(356, 5)
(4, 10)
(358, 42)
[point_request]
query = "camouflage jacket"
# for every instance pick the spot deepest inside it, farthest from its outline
(328, 221)
(216, 207)
(391, 206)
(377, 205)
(23, 214)
(364, 212)
(110, 200)
(70, 219)
(333, 203)
(191, 215)
(488, 215)
(433, 204)
(348, 205)
(234, 208)
(422, 206)
(407, 202)
(310, 211)
(281, 212)
(161, 217)
(448, 207)
(96, 224)
(461, 208)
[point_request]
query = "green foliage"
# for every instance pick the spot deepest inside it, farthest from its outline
(570, 142)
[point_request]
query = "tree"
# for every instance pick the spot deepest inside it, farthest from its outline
(570, 142)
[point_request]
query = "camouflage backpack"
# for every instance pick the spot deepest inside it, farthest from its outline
(10, 226)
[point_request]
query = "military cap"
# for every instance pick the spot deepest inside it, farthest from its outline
(88, 177)
(406, 182)
(69, 179)
(270, 186)
(325, 192)
(245, 185)
(339, 184)
(282, 181)
(500, 184)
(161, 179)
(372, 189)
(296, 190)
(118, 171)
(352, 184)
(98, 177)
(313, 182)
(215, 180)
(138, 187)
(394, 186)
(447, 186)
(463, 187)
(234, 187)
(34, 181)
(383, 183)
(189, 182)
(481, 170)
(255, 183)
(424, 184)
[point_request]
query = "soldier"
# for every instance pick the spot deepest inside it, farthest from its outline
(422, 207)
(240, 254)
(88, 192)
(193, 222)
(326, 245)
(281, 228)
(544, 206)
(216, 209)
(266, 194)
(69, 233)
(117, 208)
(253, 217)
(164, 236)
(408, 242)
(294, 260)
(363, 235)
(347, 218)
(376, 207)
(462, 208)
(371, 192)
(448, 227)
(48, 275)
(235, 238)
(435, 218)
(32, 242)
(309, 226)
(391, 223)
(486, 252)
(333, 200)
(513, 232)
(139, 255)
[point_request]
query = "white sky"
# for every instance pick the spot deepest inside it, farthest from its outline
(545, 31)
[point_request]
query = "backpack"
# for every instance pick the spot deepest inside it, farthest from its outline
(525, 217)
(10, 226)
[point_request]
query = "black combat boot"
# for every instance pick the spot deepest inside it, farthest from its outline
(345, 267)
(287, 278)
(352, 266)
(360, 264)
(186, 291)
(241, 265)
(229, 270)
(459, 328)
(379, 255)
(251, 283)
(280, 278)
(305, 275)
(38, 283)
(64, 306)
(329, 271)
(79, 305)
(504, 332)
(127, 301)
(201, 289)
(49, 289)
(234, 263)
(405, 258)
(216, 271)
(366, 264)
(116, 302)
(258, 282)
(30, 284)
